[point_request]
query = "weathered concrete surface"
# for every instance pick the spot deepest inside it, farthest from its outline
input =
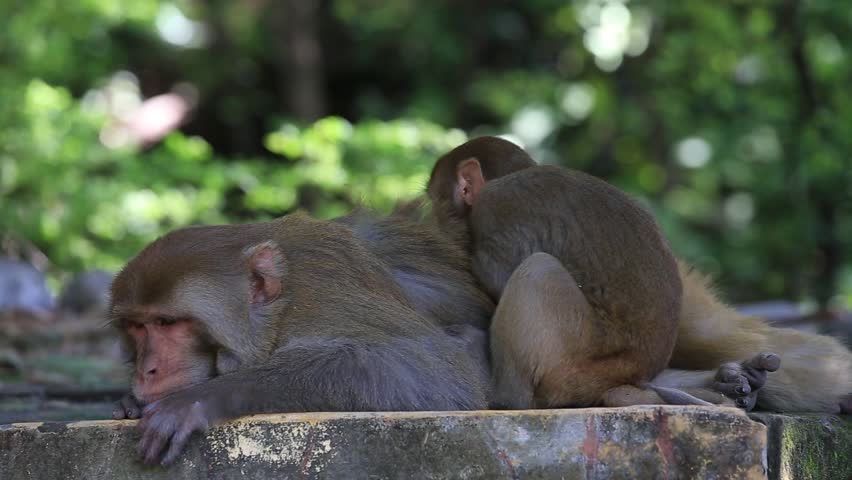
(808, 446)
(640, 442)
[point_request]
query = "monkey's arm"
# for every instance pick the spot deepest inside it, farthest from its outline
(316, 375)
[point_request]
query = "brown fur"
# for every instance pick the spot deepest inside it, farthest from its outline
(536, 336)
(298, 314)
(583, 319)
(816, 370)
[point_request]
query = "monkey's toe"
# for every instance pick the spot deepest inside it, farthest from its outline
(742, 381)
(767, 361)
(732, 382)
(733, 390)
(757, 369)
(747, 403)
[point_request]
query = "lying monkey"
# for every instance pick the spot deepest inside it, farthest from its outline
(593, 305)
(294, 315)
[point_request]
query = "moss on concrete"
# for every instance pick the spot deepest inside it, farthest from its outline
(808, 446)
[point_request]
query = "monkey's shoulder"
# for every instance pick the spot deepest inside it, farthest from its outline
(550, 183)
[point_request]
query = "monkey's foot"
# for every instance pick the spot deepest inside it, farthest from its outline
(127, 408)
(742, 381)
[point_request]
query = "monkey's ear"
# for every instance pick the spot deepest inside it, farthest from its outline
(266, 272)
(469, 181)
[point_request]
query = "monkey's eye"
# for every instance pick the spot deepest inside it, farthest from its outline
(131, 325)
(165, 322)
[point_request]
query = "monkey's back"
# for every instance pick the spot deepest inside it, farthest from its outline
(610, 244)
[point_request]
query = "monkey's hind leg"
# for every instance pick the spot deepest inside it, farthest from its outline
(543, 345)
(733, 384)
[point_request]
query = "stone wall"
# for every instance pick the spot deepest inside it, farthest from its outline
(634, 443)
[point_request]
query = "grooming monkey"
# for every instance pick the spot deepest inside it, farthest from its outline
(297, 314)
(576, 318)
(590, 298)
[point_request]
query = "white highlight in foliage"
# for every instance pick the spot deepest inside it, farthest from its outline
(175, 28)
(533, 124)
(613, 30)
(739, 209)
(578, 100)
(693, 152)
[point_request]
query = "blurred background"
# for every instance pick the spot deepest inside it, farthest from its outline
(120, 120)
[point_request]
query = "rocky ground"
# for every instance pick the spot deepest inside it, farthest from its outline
(61, 367)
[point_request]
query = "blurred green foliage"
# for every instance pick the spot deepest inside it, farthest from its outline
(94, 206)
(731, 119)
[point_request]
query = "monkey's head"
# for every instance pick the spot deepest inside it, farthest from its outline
(459, 175)
(194, 304)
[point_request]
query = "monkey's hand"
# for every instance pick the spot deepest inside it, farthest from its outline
(742, 381)
(169, 423)
(127, 408)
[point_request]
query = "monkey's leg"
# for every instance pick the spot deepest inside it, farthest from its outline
(734, 384)
(629, 395)
(547, 347)
(530, 328)
(816, 372)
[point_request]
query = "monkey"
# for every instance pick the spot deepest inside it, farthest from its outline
(575, 317)
(544, 298)
(297, 314)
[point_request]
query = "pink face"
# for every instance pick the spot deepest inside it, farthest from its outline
(166, 358)
(170, 333)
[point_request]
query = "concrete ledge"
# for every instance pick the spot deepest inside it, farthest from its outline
(808, 446)
(639, 442)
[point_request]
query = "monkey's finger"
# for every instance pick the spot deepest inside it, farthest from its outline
(131, 408)
(126, 408)
(119, 412)
(147, 438)
(150, 426)
(142, 446)
(673, 396)
(158, 442)
(764, 361)
(176, 445)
